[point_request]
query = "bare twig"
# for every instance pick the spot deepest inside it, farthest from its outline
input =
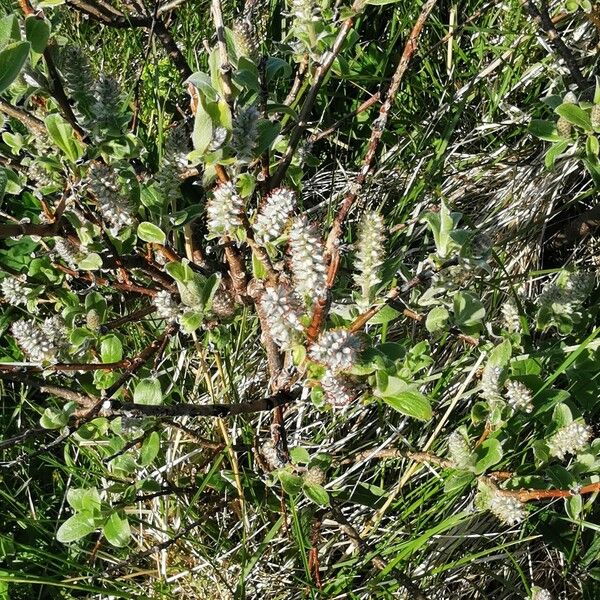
(544, 22)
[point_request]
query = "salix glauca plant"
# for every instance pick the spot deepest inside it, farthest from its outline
(190, 327)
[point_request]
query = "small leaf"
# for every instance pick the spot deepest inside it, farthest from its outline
(116, 530)
(458, 481)
(12, 60)
(316, 493)
(487, 455)
(37, 31)
(545, 130)
(75, 528)
(412, 404)
(111, 349)
(385, 315)
(299, 455)
(292, 484)
(553, 153)
(151, 233)
(148, 391)
(437, 319)
(191, 320)
(9, 30)
(149, 449)
(575, 115)
(84, 499)
(468, 310)
(62, 134)
(574, 506)
(92, 262)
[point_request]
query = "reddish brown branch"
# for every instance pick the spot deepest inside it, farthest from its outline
(410, 47)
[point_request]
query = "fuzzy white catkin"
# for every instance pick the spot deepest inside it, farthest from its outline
(274, 215)
(570, 439)
(369, 254)
(337, 349)
(510, 317)
(307, 260)
(38, 346)
(108, 102)
(507, 509)
(166, 307)
(490, 382)
(113, 207)
(283, 315)
(15, 292)
(518, 396)
(66, 251)
(54, 329)
(245, 133)
(224, 210)
(458, 450)
(337, 391)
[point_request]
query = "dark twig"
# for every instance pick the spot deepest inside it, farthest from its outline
(207, 410)
(542, 17)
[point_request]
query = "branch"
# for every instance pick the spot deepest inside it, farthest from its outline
(368, 162)
(31, 122)
(207, 410)
(298, 130)
(544, 22)
(225, 66)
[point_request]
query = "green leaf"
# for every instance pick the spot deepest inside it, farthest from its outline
(180, 272)
(411, 403)
(574, 506)
(84, 499)
(191, 320)
(437, 319)
(458, 481)
(80, 335)
(487, 455)
(148, 391)
(468, 310)
(151, 233)
(267, 133)
(9, 30)
(12, 60)
(116, 530)
(111, 349)
(575, 115)
(299, 455)
(209, 289)
(561, 416)
(554, 152)
(545, 130)
(62, 134)
(203, 129)
(3, 183)
(385, 315)
(37, 31)
(316, 493)
(500, 355)
(53, 419)
(149, 449)
(75, 528)
(292, 484)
